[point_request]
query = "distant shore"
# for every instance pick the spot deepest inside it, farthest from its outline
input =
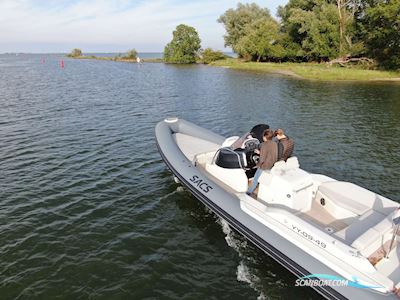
(118, 58)
(311, 71)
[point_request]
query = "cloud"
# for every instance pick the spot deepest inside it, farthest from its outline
(99, 25)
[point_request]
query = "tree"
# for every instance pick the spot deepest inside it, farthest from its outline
(75, 53)
(320, 29)
(341, 31)
(260, 40)
(236, 20)
(292, 51)
(379, 25)
(290, 28)
(209, 55)
(348, 44)
(131, 54)
(184, 47)
(314, 26)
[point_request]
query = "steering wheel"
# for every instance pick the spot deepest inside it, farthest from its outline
(251, 144)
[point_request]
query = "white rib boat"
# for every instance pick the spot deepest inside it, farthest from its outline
(315, 226)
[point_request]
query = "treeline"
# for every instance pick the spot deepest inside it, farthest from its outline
(316, 30)
(130, 55)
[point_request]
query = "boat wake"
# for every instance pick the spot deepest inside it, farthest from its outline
(180, 189)
(243, 272)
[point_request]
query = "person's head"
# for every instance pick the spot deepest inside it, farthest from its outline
(268, 134)
(279, 133)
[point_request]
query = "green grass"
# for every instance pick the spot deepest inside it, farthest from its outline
(310, 70)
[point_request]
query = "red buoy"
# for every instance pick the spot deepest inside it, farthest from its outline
(62, 64)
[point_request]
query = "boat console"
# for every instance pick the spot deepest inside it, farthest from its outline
(243, 157)
(231, 159)
(286, 184)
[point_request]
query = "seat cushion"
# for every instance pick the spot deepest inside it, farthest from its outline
(359, 226)
(348, 196)
(367, 239)
(292, 163)
(373, 237)
(234, 178)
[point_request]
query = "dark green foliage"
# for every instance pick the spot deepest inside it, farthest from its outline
(184, 47)
(260, 40)
(237, 21)
(131, 54)
(292, 51)
(209, 55)
(285, 13)
(316, 30)
(379, 26)
(75, 53)
(319, 30)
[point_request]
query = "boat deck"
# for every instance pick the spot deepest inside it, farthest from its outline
(317, 215)
(388, 266)
(323, 219)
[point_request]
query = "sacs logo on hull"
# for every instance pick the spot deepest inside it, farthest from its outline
(201, 184)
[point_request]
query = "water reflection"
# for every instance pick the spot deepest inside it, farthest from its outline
(84, 186)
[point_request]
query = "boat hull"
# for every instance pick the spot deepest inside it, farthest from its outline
(227, 207)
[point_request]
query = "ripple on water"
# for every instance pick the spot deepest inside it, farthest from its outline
(89, 210)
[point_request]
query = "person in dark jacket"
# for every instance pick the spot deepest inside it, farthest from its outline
(285, 150)
(268, 157)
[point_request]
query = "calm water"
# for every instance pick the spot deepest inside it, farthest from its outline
(88, 209)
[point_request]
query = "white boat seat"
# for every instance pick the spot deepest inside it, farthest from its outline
(347, 195)
(291, 187)
(290, 173)
(281, 167)
(234, 178)
(372, 238)
(355, 198)
(358, 227)
(278, 168)
(292, 163)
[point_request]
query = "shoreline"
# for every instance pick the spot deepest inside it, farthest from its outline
(311, 71)
(304, 71)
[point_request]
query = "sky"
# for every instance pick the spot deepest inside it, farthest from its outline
(53, 26)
